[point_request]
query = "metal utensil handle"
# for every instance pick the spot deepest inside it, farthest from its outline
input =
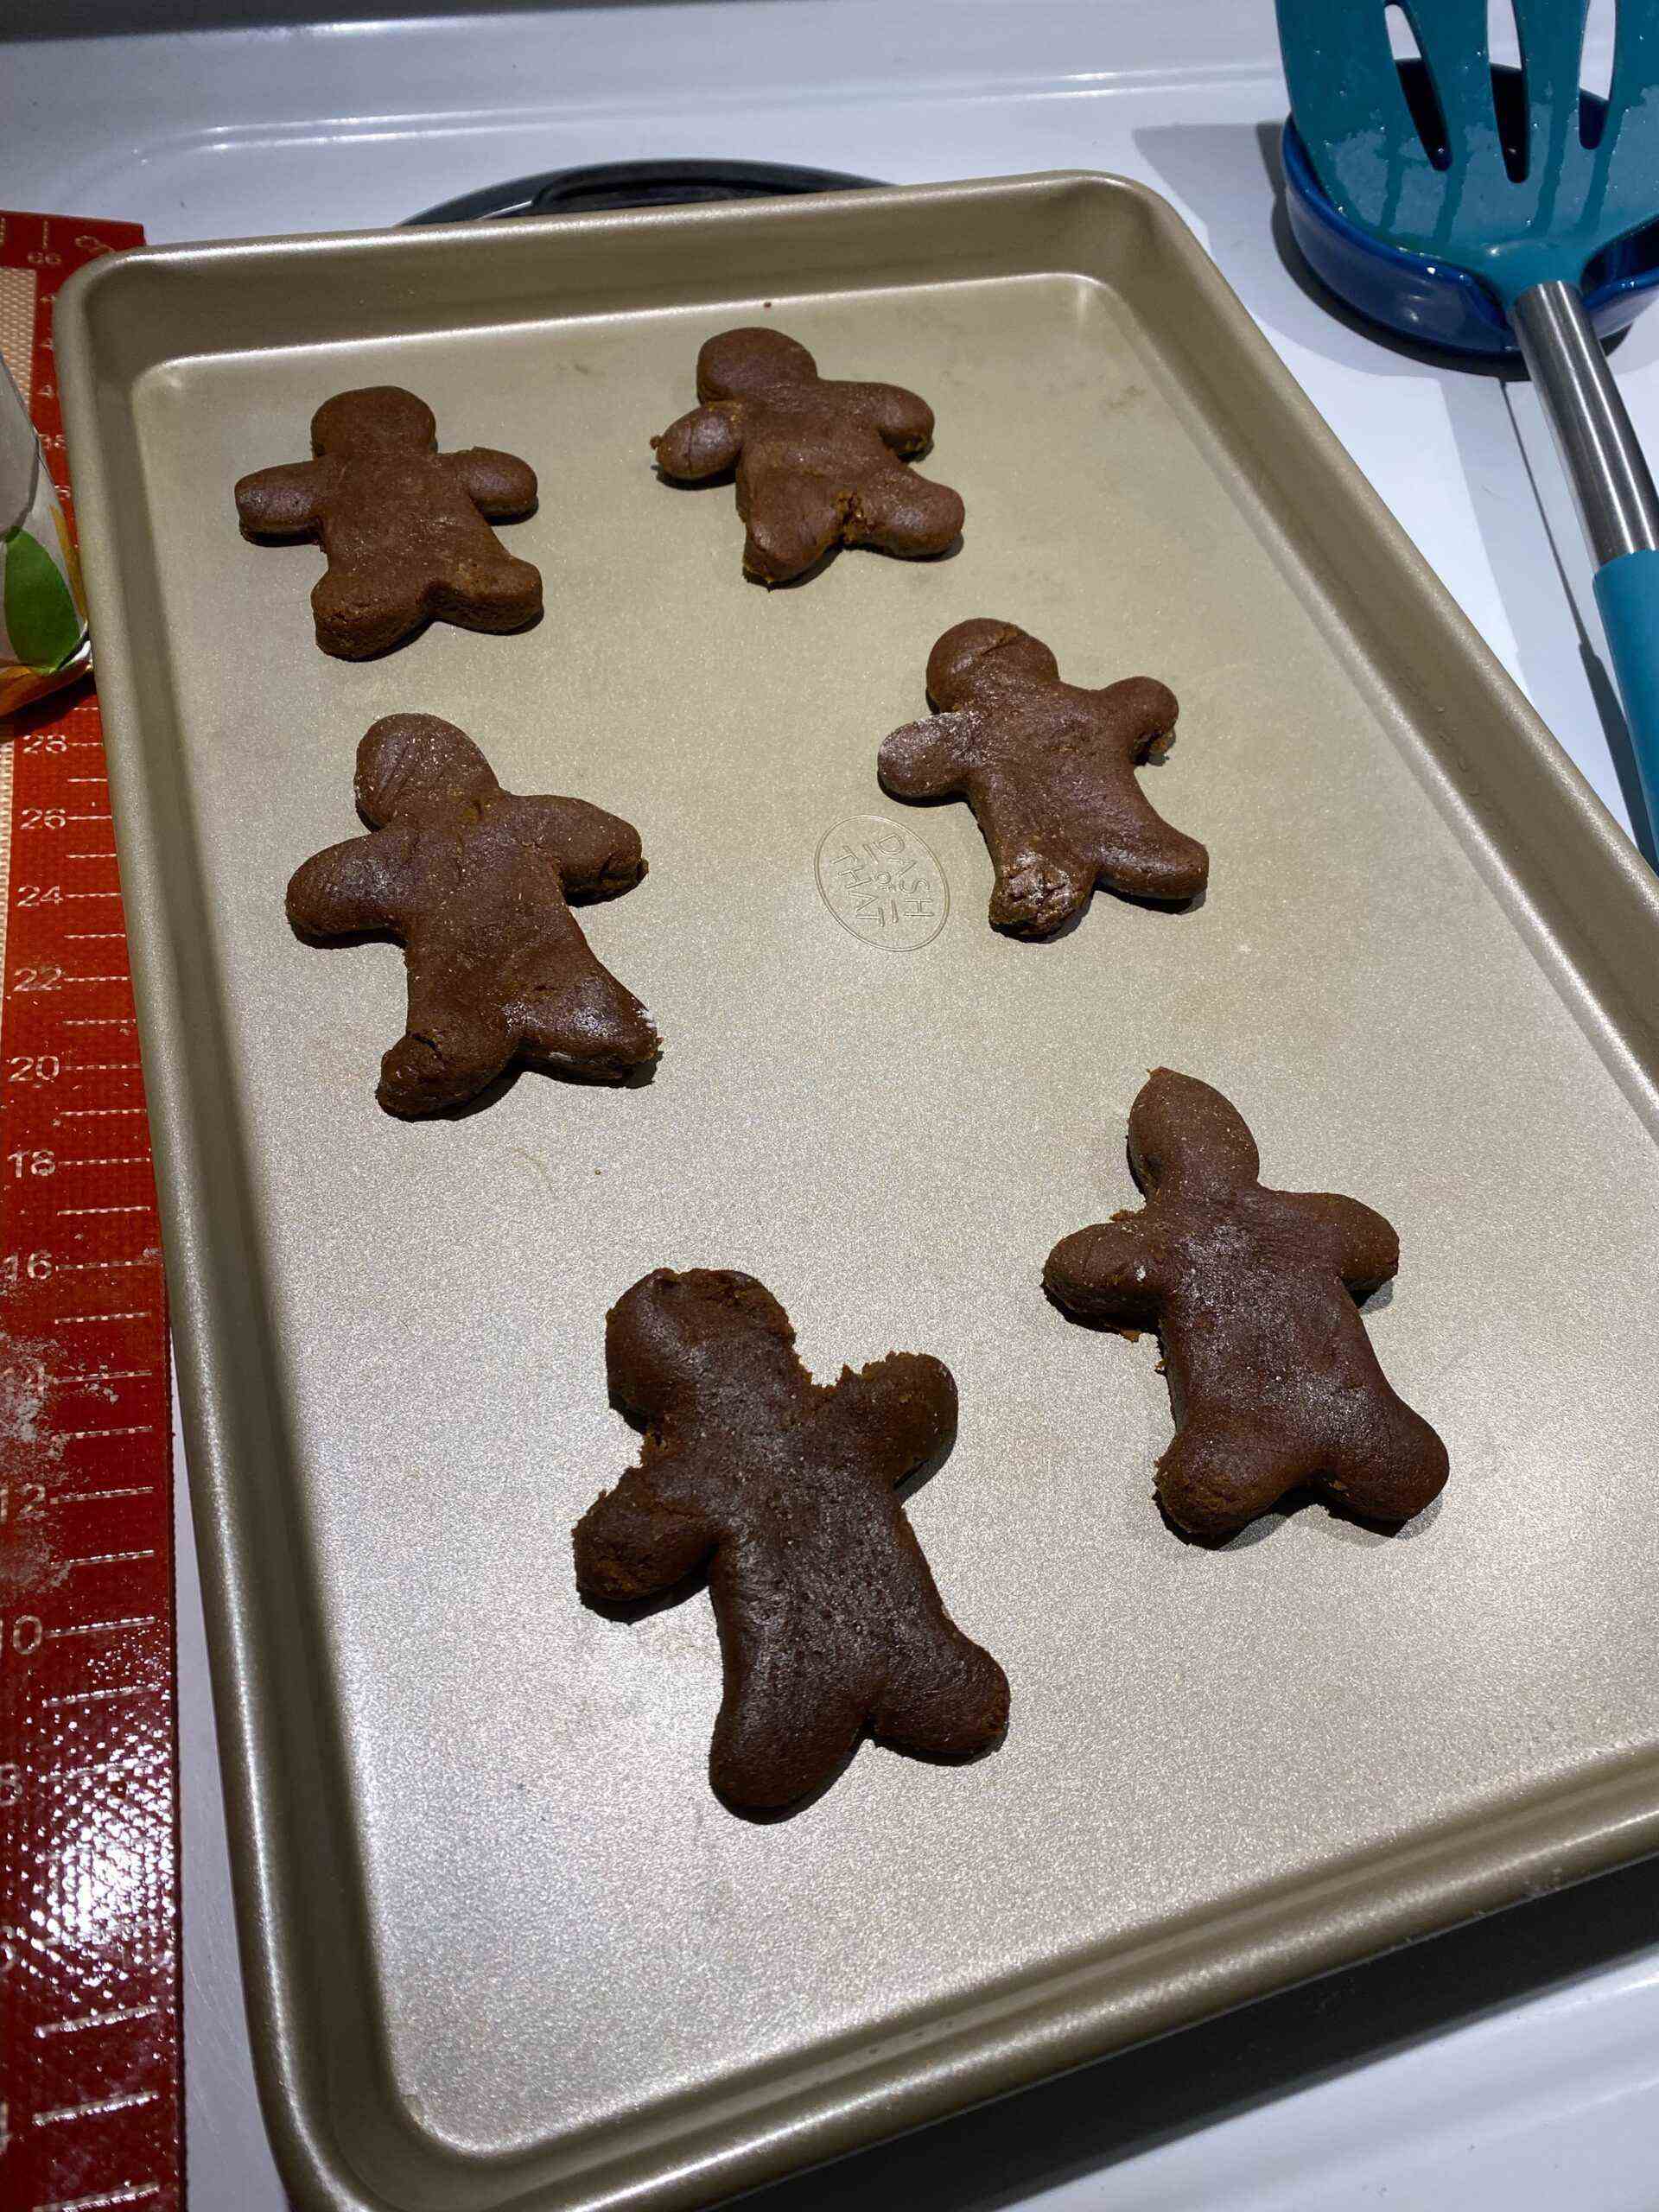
(1616, 497)
(1608, 470)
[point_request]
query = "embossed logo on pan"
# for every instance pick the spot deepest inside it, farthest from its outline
(881, 883)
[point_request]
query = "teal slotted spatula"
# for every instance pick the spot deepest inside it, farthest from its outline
(1417, 158)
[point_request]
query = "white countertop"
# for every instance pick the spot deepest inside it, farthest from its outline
(255, 130)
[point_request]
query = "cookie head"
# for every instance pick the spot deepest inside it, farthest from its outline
(977, 658)
(741, 362)
(1185, 1137)
(407, 760)
(376, 418)
(677, 1339)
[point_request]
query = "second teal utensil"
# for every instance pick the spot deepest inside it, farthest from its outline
(1521, 201)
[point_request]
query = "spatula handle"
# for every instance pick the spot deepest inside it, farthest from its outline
(1615, 498)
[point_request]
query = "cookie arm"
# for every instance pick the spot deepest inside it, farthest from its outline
(282, 502)
(926, 759)
(1362, 1246)
(1112, 1272)
(349, 888)
(902, 420)
(499, 484)
(631, 1543)
(598, 855)
(902, 1409)
(703, 444)
(1137, 714)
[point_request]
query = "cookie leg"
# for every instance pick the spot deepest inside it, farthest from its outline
(1214, 1480)
(903, 513)
(355, 617)
(1036, 892)
(785, 1727)
(587, 1025)
(445, 1056)
(792, 522)
(1150, 859)
(493, 595)
(948, 1701)
(1392, 1466)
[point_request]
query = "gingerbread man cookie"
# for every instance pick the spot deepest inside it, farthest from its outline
(1254, 1294)
(473, 882)
(406, 529)
(1049, 770)
(829, 1622)
(818, 462)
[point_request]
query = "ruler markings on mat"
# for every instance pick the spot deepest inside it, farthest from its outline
(89, 2106)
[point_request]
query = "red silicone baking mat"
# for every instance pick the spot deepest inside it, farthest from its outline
(90, 2107)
